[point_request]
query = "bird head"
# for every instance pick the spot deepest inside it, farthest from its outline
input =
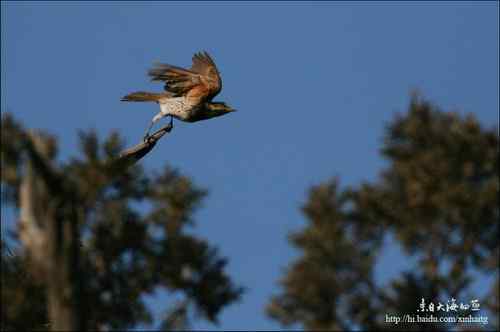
(219, 108)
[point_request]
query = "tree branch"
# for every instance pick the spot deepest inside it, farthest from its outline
(132, 155)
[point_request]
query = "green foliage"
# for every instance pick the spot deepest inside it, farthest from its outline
(438, 198)
(23, 299)
(133, 239)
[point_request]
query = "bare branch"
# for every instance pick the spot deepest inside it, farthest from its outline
(135, 153)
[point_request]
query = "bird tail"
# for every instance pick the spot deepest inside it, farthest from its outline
(142, 96)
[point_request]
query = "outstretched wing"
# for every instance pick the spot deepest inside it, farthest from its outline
(203, 76)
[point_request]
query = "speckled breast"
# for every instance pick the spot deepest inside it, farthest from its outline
(179, 108)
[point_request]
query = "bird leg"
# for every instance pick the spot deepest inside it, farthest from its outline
(146, 134)
(155, 119)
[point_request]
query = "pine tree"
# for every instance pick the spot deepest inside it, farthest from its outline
(95, 237)
(438, 198)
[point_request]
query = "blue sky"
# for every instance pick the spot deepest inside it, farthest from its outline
(314, 83)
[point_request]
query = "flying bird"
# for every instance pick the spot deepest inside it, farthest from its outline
(188, 92)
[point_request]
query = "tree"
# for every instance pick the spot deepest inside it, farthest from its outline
(95, 238)
(438, 198)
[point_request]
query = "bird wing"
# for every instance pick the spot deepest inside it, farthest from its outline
(202, 77)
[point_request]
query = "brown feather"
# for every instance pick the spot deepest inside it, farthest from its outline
(203, 76)
(143, 96)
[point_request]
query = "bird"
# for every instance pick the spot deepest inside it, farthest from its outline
(188, 93)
